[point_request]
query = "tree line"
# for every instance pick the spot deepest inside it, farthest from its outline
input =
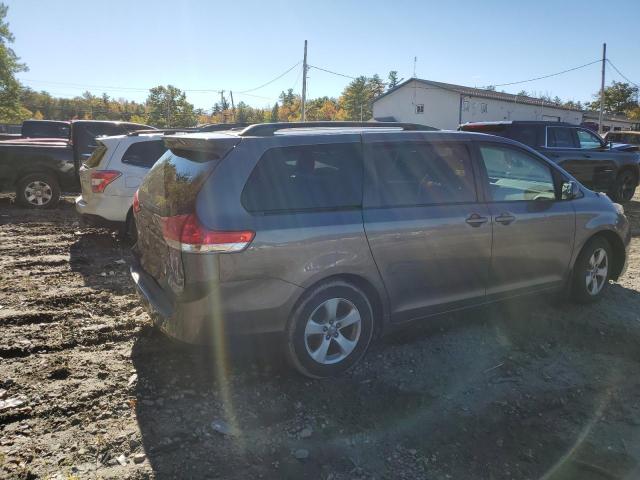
(167, 106)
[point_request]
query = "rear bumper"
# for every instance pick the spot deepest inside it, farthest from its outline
(111, 208)
(247, 307)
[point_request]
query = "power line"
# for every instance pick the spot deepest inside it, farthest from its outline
(334, 73)
(271, 81)
(621, 74)
(545, 76)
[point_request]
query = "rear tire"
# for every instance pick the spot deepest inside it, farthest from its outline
(330, 330)
(624, 187)
(592, 271)
(38, 190)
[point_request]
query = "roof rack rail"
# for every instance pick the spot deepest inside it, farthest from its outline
(268, 129)
(135, 133)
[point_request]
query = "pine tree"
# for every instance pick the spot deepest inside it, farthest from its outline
(11, 109)
(275, 113)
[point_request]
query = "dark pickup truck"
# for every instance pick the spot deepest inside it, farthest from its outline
(40, 129)
(39, 169)
(610, 168)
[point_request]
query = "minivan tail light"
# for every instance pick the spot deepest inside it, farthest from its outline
(100, 179)
(184, 232)
(136, 203)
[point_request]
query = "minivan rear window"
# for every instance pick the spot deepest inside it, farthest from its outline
(413, 174)
(308, 177)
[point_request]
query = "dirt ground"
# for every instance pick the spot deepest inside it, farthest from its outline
(88, 389)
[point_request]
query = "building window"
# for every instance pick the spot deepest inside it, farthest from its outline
(420, 108)
(465, 105)
(483, 107)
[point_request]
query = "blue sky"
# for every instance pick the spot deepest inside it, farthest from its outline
(130, 46)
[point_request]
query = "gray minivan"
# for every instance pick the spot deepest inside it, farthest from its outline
(332, 233)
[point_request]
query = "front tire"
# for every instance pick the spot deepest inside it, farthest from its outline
(38, 190)
(592, 271)
(330, 330)
(624, 187)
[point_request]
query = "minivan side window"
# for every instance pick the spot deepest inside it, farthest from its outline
(309, 177)
(514, 175)
(560, 137)
(144, 154)
(415, 174)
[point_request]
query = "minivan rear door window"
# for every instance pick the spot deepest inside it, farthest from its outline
(410, 174)
(309, 177)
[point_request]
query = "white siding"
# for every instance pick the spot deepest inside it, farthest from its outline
(442, 108)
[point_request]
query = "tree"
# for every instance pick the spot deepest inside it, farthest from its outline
(393, 79)
(557, 100)
(357, 97)
(491, 88)
(38, 115)
(522, 93)
(10, 108)
(619, 97)
(274, 113)
(168, 107)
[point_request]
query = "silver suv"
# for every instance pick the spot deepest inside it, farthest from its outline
(333, 233)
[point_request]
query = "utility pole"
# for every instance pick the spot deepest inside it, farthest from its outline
(604, 58)
(224, 119)
(233, 106)
(304, 82)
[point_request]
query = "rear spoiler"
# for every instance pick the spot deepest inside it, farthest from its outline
(201, 149)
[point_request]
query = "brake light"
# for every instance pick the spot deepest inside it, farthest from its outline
(100, 179)
(184, 232)
(136, 203)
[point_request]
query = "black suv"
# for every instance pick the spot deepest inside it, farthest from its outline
(578, 150)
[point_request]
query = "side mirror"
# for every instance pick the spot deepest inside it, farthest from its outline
(570, 190)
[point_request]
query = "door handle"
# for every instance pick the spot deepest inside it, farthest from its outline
(505, 218)
(476, 220)
(586, 155)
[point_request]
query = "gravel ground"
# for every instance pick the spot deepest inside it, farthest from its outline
(88, 389)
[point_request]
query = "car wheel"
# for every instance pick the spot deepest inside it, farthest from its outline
(330, 330)
(592, 271)
(38, 190)
(624, 188)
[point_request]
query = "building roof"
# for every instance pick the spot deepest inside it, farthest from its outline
(480, 92)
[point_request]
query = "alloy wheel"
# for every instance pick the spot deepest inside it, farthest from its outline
(332, 331)
(38, 193)
(597, 271)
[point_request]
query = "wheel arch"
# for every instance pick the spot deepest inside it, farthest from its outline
(617, 247)
(375, 297)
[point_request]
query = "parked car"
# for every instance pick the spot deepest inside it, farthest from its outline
(578, 150)
(39, 169)
(111, 176)
(332, 235)
(626, 137)
(40, 129)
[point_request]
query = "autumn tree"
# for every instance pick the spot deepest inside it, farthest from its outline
(168, 107)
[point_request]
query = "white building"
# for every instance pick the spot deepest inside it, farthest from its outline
(610, 122)
(445, 106)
